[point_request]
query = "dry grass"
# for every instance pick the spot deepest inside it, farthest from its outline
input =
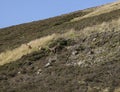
(101, 10)
(17, 53)
(114, 25)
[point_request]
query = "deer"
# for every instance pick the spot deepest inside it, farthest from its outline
(53, 49)
(29, 46)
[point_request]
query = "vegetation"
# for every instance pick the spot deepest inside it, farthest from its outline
(79, 56)
(13, 37)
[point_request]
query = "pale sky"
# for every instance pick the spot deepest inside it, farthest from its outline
(14, 12)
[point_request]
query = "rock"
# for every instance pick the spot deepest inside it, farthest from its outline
(80, 63)
(82, 82)
(74, 52)
(91, 52)
(39, 71)
(19, 72)
(48, 64)
(51, 61)
(94, 39)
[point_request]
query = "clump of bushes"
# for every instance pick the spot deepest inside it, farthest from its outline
(61, 42)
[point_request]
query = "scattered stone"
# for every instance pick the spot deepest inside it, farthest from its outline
(48, 64)
(80, 63)
(94, 39)
(39, 71)
(91, 52)
(19, 72)
(82, 82)
(51, 61)
(74, 52)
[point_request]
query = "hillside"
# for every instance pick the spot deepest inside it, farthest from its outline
(76, 52)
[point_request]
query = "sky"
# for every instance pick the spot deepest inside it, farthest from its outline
(14, 12)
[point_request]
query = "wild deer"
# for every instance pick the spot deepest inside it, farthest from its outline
(53, 49)
(29, 46)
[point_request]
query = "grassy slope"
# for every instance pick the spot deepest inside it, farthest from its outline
(13, 37)
(93, 68)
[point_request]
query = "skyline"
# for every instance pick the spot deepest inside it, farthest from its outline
(17, 12)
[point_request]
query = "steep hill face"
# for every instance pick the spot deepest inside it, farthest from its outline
(76, 52)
